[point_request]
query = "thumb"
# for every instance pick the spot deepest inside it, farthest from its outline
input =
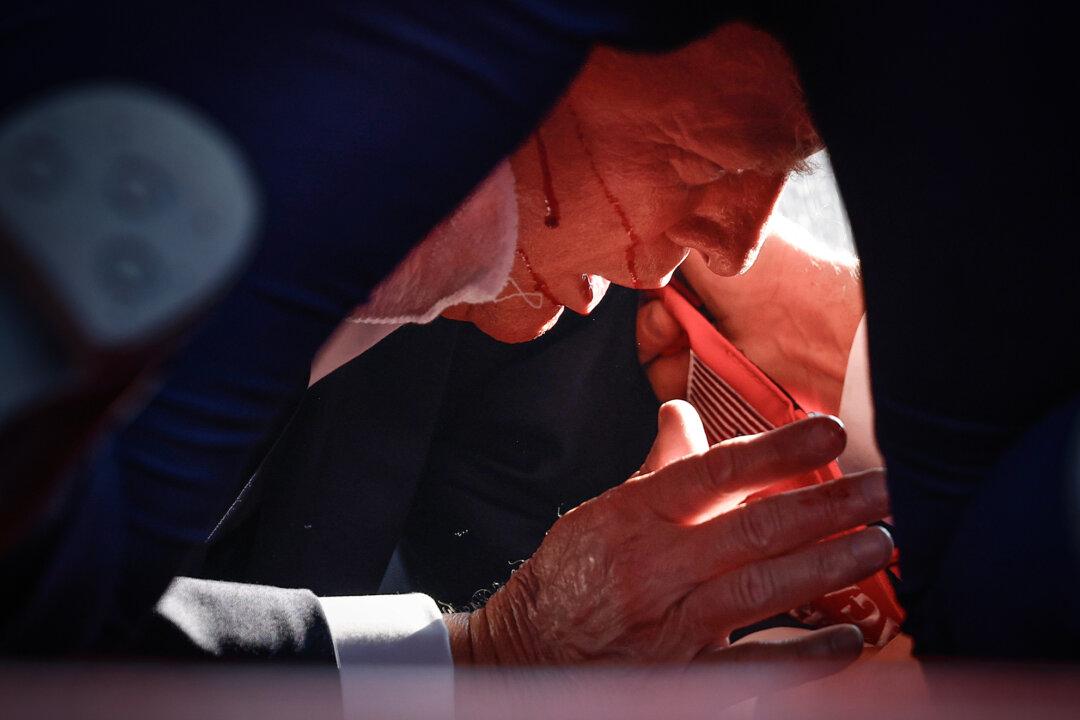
(679, 433)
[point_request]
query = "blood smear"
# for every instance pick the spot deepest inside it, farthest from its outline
(541, 286)
(551, 203)
(635, 240)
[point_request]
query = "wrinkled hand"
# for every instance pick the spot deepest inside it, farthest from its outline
(665, 566)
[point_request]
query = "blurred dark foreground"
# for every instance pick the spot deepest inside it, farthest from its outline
(878, 690)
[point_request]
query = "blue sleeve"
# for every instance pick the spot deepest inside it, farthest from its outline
(952, 144)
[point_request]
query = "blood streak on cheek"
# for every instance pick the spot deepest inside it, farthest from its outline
(551, 219)
(541, 286)
(635, 240)
(551, 203)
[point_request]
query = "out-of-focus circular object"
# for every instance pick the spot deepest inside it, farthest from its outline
(39, 167)
(137, 187)
(128, 269)
(106, 208)
(123, 211)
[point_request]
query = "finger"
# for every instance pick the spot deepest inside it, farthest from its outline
(765, 667)
(782, 523)
(679, 433)
(667, 374)
(657, 331)
(698, 486)
(762, 589)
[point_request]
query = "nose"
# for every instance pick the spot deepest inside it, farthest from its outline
(726, 219)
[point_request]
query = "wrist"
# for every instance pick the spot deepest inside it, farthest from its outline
(472, 641)
(496, 634)
(506, 626)
(457, 627)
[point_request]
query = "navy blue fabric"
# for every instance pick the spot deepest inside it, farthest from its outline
(951, 135)
(365, 123)
(1017, 598)
(462, 448)
(328, 504)
(526, 432)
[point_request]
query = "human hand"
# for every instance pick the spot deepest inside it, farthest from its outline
(665, 566)
(663, 350)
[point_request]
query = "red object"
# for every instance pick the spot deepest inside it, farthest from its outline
(734, 397)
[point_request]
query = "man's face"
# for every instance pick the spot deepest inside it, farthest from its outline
(646, 157)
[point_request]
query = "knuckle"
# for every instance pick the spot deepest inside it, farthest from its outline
(836, 507)
(758, 526)
(623, 506)
(721, 466)
(754, 587)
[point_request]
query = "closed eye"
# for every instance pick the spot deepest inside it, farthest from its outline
(690, 168)
(696, 170)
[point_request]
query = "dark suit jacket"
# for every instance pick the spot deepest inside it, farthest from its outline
(198, 619)
(458, 450)
(462, 449)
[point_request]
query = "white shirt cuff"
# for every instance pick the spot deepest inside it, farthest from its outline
(369, 631)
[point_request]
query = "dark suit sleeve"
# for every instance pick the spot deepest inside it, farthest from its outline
(199, 619)
(954, 150)
(329, 503)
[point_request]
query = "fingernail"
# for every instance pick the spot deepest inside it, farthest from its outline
(837, 421)
(872, 546)
(828, 433)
